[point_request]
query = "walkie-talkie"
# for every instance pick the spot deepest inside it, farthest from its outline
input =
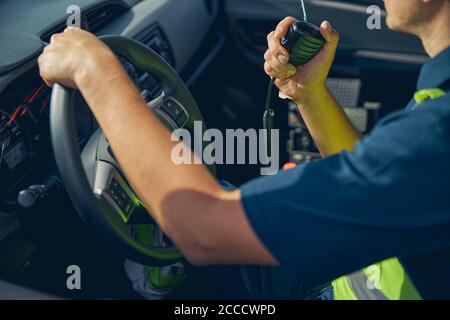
(303, 41)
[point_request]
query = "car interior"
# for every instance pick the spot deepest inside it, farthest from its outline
(192, 60)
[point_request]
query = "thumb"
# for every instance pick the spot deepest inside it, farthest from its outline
(330, 35)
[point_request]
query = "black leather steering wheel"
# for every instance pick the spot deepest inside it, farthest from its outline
(93, 179)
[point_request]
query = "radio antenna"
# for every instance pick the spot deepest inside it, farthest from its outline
(305, 16)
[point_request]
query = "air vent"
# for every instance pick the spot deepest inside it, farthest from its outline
(99, 17)
(155, 39)
(92, 19)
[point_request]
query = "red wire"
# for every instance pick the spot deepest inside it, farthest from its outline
(30, 95)
(35, 94)
(30, 99)
(14, 115)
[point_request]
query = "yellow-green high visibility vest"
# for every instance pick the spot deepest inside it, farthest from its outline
(386, 280)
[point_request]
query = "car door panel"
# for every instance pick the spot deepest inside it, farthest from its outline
(251, 20)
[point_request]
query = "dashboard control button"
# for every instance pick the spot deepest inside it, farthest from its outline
(119, 196)
(128, 207)
(28, 197)
(182, 119)
(146, 95)
(175, 111)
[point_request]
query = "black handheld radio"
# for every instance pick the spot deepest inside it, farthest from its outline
(303, 41)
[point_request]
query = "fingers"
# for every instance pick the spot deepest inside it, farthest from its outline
(268, 69)
(276, 49)
(274, 39)
(68, 53)
(48, 84)
(273, 73)
(329, 33)
(283, 27)
(43, 69)
(332, 38)
(57, 38)
(277, 57)
(277, 67)
(53, 38)
(69, 29)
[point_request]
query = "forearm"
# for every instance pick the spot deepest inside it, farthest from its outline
(328, 124)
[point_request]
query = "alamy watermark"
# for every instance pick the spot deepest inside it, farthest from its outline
(74, 19)
(73, 281)
(236, 146)
(373, 22)
(375, 14)
(374, 277)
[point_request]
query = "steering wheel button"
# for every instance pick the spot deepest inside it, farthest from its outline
(175, 111)
(128, 207)
(146, 95)
(182, 119)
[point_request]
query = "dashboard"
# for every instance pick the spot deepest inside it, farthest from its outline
(25, 148)
(26, 156)
(24, 135)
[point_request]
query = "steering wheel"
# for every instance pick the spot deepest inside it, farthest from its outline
(93, 178)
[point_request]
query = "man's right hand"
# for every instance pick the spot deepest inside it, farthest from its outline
(304, 83)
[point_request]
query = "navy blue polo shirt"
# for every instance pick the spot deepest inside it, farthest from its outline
(390, 197)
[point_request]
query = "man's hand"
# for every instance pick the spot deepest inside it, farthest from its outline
(305, 82)
(329, 125)
(71, 55)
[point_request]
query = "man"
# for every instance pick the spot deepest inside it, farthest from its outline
(370, 199)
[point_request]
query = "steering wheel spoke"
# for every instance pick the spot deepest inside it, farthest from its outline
(110, 186)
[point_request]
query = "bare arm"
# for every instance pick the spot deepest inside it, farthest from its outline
(330, 127)
(328, 124)
(207, 223)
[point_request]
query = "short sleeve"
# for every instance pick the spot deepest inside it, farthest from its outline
(387, 198)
